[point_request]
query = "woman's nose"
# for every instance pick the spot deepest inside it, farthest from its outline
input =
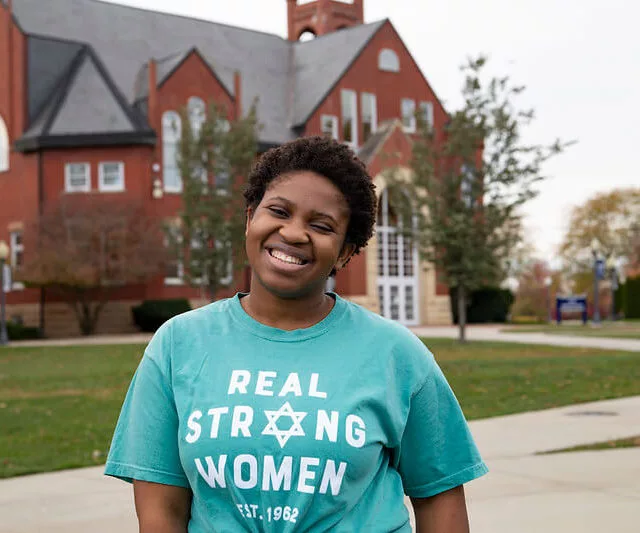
(294, 231)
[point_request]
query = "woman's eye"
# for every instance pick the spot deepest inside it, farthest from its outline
(323, 228)
(278, 212)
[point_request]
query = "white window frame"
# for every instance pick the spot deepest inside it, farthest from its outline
(373, 111)
(172, 138)
(334, 125)
(68, 188)
(197, 111)
(179, 280)
(426, 108)
(16, 248)
(411, 128)
(5, 147)
(388, 60)
(354, 117)
(390, 236)
(468, 177)
(102, 186)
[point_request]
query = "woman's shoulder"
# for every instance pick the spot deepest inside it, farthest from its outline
(194, 325)
(373, 325)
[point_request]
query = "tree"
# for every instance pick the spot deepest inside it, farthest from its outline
(215, 158)
(469, 182)
(533, 298)
(613, 218)
(88, 248)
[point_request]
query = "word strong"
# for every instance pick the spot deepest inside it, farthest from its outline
(264, 384)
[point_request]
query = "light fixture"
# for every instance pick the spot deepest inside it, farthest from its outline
(157, 192)
(4, 251)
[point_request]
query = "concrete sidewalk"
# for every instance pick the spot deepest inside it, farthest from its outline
(476, 333)
(495, 333)
(586, 492)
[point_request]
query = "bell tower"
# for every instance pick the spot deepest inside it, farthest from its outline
(322, 16)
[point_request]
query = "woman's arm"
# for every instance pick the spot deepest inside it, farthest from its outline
(161, 508)
(444, 513)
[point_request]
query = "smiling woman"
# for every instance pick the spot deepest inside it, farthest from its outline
(368, 414)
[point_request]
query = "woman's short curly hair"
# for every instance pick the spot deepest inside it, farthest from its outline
(330, 159)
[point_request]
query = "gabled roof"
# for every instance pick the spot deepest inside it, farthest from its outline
(48, 60)
(374, 144)
(165, 67)
(126, 38)
(320, 63)
(86, 106)
(289, 80)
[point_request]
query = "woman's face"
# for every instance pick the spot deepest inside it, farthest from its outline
(295, 236)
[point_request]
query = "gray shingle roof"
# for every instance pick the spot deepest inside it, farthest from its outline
(320, 63)
(90, 106)
(83, 103)
(288, 79)
(48, 61)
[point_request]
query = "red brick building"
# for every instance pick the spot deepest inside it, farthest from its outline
(89, 95)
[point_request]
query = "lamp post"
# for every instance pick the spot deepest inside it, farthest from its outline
(547, 284)
(4, 254)
(595, 250)
(613, 274)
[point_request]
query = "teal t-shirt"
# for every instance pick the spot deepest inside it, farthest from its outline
(312, 430)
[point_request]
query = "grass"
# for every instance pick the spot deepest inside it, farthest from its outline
(58, 406)
(630, 442)
(618, 330)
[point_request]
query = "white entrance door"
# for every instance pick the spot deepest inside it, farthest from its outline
(397, 267)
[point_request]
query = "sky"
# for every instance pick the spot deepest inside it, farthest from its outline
(579, 59)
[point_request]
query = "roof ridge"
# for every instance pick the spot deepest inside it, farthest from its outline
(189, 17)
(55, 38)
(333, 33)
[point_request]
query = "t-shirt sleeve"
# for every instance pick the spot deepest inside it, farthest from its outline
(145, 442)
(437, 451)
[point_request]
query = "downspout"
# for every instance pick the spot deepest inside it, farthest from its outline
(40, 211)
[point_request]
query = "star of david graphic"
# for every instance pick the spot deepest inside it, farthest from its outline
(283, 436)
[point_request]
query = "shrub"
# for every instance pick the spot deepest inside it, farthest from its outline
(486, 305)
(631, 298)
(20, 332)
(151, 314)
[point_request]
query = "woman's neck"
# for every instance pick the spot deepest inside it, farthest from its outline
(288, 314)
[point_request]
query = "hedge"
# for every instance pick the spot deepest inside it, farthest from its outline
(19, 332)
(151, 314)
(631, 298)
(486, 305)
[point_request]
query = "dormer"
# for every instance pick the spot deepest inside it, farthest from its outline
(319, 17)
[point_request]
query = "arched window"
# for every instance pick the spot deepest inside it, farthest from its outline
(171, 135)
(197, 114)
(388, 61)
(306, 35)
(4, 147)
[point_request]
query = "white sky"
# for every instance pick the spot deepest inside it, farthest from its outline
(580, 61)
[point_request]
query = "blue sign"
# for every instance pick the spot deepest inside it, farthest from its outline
(600, 268)
(571, 304)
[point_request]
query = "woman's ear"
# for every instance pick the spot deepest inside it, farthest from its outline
(250, 213)
(345, 255)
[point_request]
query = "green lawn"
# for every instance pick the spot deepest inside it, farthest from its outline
(631, 442)
(58, 406)
(619, 330)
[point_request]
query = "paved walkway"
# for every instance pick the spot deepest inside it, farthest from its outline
(479, 333)
(494, 333)
(585, 492)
